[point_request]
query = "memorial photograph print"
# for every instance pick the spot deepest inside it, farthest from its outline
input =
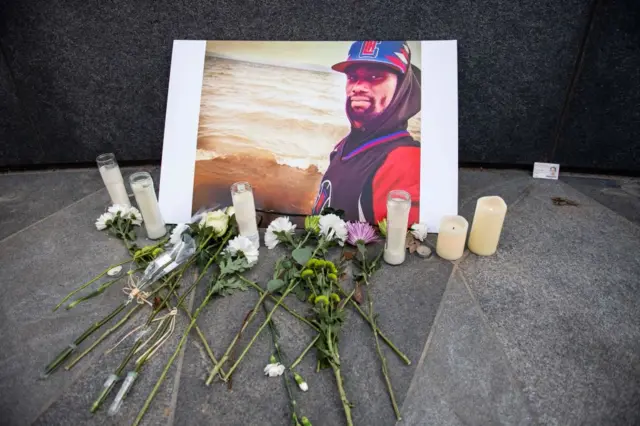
(310, 125)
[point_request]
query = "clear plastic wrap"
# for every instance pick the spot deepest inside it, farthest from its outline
(168, 261)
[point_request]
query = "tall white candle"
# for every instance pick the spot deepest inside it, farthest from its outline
(487, 225)
(245, 211)
(145, 193)
(112, 178)
(398, 207)
(452, 236)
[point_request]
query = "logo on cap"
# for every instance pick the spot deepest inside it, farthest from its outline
(370, 49)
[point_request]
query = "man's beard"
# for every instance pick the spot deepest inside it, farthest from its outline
(362, 116)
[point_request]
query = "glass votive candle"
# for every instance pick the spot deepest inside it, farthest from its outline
(398, 207)
(145, 194)
(245, 211)
(112, 178)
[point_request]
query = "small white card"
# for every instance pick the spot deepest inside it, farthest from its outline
(546, 170)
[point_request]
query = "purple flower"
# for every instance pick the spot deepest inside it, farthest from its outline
(360, 232)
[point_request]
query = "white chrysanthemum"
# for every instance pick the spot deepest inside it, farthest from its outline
(176, 233)
(333, 228)
(281, 224)
(274, 370)
(135, 216)
(244, 245)
(101, 222)
(119, 208)
(218, 220)
(419, 231)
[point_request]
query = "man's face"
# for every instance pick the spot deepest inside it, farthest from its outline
(370, 90)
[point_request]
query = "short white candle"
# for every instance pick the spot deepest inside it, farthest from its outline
(487, 225)
(452, 236)
(245, 211)
(145, 193)
(112, 178)
(398, 207)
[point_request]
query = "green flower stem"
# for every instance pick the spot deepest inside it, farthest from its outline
(107, 333)
(53, 365)
(304, 353)
(202, 338)
(343, 395)
(227, 353)
(276, 299)
(290, 288)
(163, 375)
(375, 327)
(285, 377)
(383, 360)
(88, 283)
(98, 291)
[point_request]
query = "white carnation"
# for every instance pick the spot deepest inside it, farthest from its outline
(101, 222)
(281, 224)
(333, 228)
(274, 370)
(246, 247)
(176, 233)
(419, 231)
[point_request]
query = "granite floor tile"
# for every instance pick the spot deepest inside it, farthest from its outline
(620, 194)
(31, 196)
(407, 300)
(562, 294)
(464, 378)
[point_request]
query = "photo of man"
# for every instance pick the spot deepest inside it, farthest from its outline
(379, 154)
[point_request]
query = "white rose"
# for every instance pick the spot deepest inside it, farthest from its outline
(217, 220)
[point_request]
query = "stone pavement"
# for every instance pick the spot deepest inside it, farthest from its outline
(544, 332)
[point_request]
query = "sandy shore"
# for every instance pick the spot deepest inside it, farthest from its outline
(277, 188)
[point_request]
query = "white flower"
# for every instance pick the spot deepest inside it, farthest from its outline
(419, 231)
(176, 233)
(274, 370)
(119, 208)
(244, 245)
(230, 211)
(135, 216)
(218, 220)
(281, 224)
(114, 272)
(301, 383)
(101, 222)
(333, 228)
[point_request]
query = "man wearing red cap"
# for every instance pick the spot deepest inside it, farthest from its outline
(379, 154)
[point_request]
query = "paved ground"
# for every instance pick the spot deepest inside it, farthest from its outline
(547, 331)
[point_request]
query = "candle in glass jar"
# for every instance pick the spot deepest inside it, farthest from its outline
(145, 194)
(245, 211)
(452, 236)
(487, 225)
(398, 207)
(112, 178)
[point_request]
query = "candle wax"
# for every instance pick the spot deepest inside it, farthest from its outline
(148, 205)
(397, 222)
(451, 237)
(487, 225)
(245, 211)
(112, 179)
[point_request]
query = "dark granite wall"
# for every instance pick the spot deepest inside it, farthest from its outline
(84, 77)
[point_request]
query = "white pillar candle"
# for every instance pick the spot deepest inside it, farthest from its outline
(245, 211)
(112, 178)
(398, 207)
(452, 236)
(145, 193)
(487, 225)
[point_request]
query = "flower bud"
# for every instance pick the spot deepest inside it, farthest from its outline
(301, 383)
(272, 359)
(382, 225)
(305, 421)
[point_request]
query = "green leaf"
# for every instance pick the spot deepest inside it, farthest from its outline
(131, 235)
(302, 255)
(300, 293)
(274, 285)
